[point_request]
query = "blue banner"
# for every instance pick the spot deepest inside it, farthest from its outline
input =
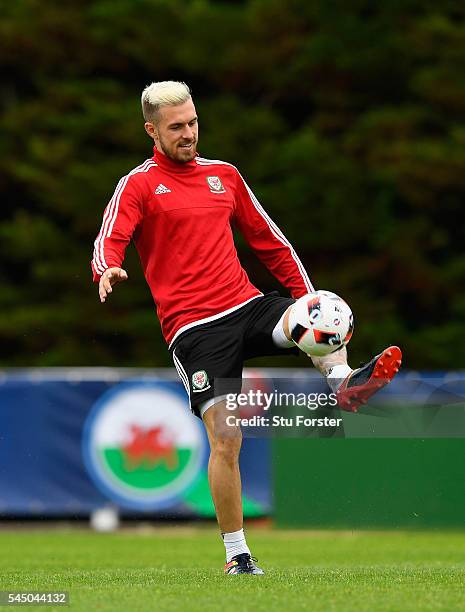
(75, 441)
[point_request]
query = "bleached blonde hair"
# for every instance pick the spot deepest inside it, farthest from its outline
(163, 93)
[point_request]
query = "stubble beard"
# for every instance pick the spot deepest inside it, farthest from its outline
(179, 155)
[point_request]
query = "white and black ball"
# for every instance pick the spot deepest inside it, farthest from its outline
(321, 323)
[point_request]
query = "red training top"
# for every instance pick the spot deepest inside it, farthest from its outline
(180, 215)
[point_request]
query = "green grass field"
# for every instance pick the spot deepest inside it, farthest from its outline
(181, 569)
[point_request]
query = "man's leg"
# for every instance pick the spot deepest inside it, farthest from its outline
(225, 486)
(223, 467)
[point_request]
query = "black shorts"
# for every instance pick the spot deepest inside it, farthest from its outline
(209, 358)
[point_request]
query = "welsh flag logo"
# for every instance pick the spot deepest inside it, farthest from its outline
(149, 447)
(141, 445)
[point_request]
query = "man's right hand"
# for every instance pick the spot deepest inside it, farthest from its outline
(110, 277)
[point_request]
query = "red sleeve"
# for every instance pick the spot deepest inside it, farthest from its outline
(268, 242)
(121, 216)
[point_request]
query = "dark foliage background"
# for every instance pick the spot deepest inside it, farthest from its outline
(347, 118)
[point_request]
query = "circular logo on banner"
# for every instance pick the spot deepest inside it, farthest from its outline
(142, 446)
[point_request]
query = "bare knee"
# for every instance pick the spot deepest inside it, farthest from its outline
(224, 437)
(226, 448)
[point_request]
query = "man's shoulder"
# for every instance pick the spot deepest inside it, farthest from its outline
(205, 162)
(138, 179)
(136, 173)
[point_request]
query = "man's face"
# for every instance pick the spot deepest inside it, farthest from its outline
(176, 131)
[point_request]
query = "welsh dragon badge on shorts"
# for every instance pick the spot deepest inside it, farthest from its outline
(200, 381)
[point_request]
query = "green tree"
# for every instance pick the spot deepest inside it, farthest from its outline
(346, 119)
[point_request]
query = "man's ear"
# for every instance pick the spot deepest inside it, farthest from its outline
(151, 130)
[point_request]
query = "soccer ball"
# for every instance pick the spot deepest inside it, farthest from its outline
(320, 323)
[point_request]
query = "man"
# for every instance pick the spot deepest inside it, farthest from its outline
(179, 207)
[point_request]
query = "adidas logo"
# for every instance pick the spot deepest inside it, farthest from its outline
(162, 189)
